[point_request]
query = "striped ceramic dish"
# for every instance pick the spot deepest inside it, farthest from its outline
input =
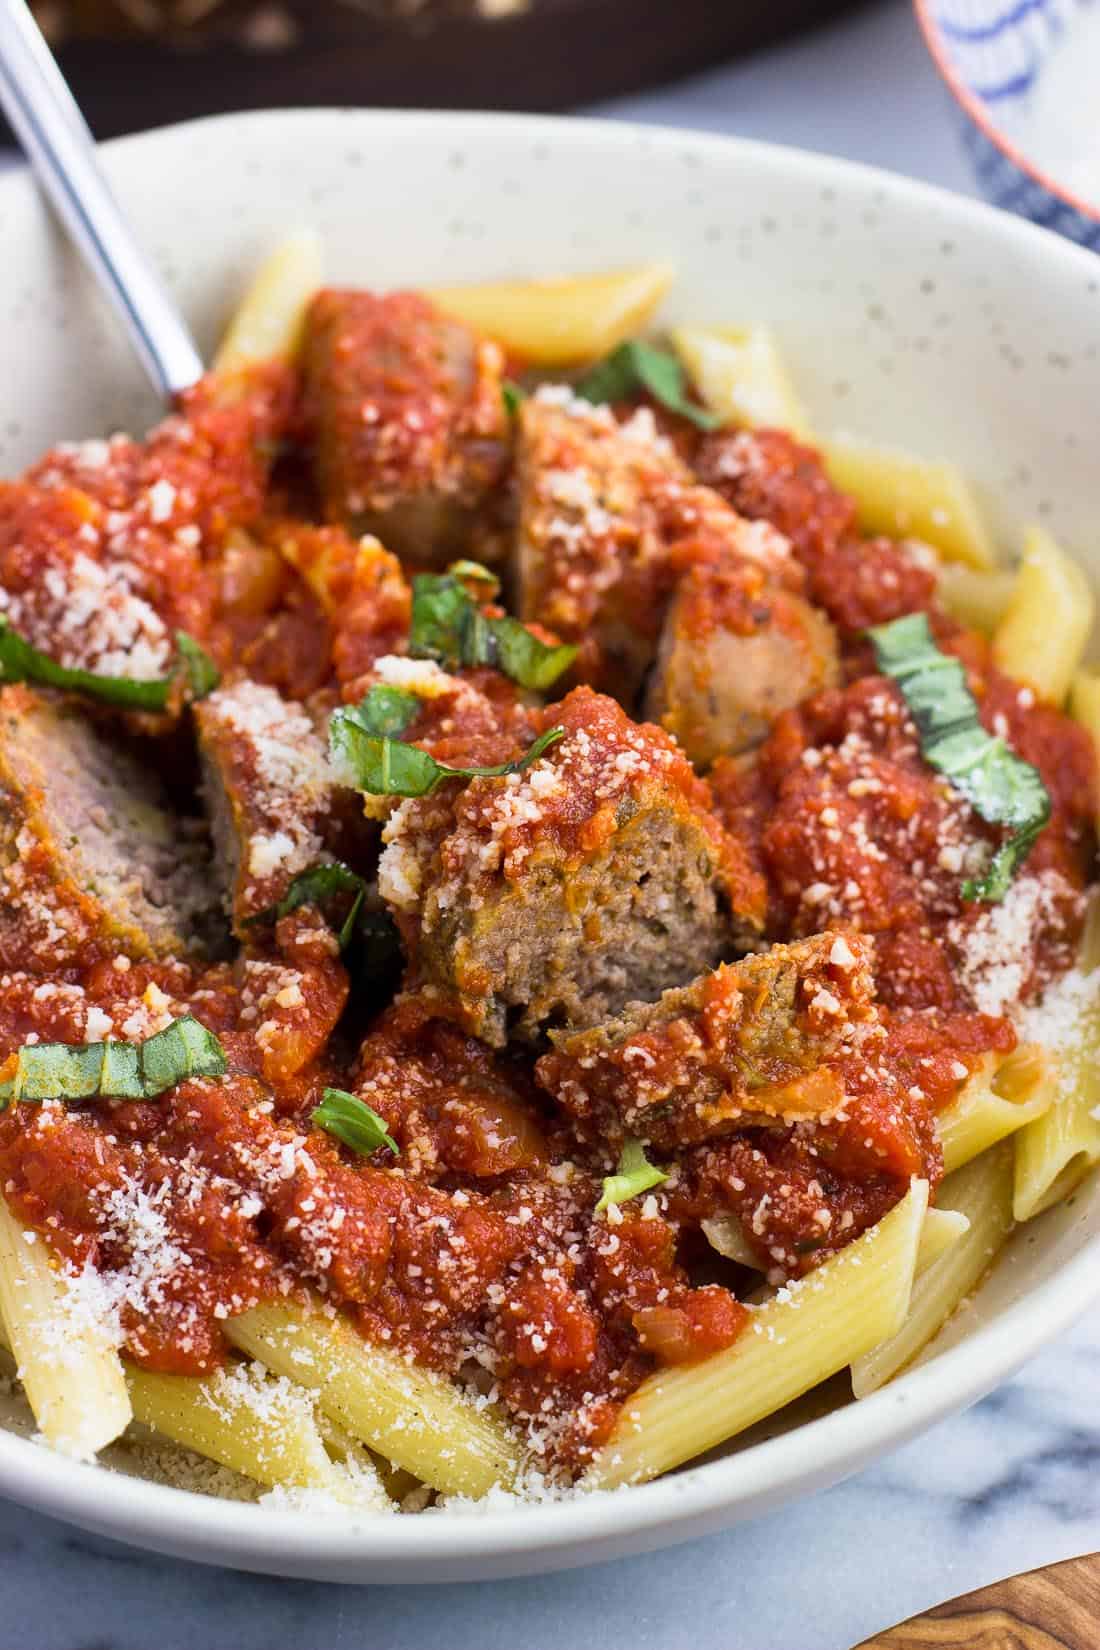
(992, 55)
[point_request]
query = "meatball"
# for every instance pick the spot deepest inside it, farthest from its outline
(557, 895)
(610, 518)
(735, 651)
(750, 1043)
(90, 857)
(269, 792)
(405, 411)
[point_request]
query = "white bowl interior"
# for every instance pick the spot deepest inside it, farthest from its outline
(906, 314)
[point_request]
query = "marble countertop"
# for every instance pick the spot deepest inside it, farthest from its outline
(1012, 1484)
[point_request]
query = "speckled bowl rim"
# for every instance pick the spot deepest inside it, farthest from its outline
(759, 1478)
(975, 110)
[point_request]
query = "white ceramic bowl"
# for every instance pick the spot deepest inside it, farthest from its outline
(906, 313)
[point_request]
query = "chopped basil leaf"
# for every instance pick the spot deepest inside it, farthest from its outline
(378, 957)
(202, 673)
(475, 573)
(347, 927)
(1000, 786)
(439, 606)
(633, 1177)
(449, 627)
(315, 887)
(352, 1121)
(520, 655)
(122, 1071)
(636, 366)
(387, 767)
(512, 396)
(386, 711)
(20, 662)
(183, 1049)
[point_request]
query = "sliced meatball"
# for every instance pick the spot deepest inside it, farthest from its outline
(735, 651)
(405, 411)
(90, 857)
(610, 518)
(755, 1042)
(557, 895)
(271, 797)
(768, 476)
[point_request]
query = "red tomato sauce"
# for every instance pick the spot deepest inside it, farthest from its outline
(476, 1247)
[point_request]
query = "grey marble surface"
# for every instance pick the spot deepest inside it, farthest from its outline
(1012, 1484)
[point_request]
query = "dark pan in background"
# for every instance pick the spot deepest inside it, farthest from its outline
(137, 63)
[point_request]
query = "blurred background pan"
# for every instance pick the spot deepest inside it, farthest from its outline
(135, 63)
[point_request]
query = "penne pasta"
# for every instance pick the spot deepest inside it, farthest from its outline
(242, 1417)
(1057, 1150)
(976, 596)
(999, 1099)
(908, 497)
(942, 1229)
(1084, 703)
(267, 323)
(741, 375)
(795, 1341)
(70, 1370)
(555, 322)
(982, 1194)
(418, 1420)
(1042, 636)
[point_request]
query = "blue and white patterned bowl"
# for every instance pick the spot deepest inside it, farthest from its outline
(993, 55)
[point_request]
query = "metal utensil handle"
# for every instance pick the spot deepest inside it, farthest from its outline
(45, 117)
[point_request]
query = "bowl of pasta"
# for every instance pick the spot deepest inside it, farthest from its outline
(548, 839)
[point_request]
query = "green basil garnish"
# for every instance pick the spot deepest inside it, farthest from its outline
(634, 1176)
(202, 673)
(1000, 786)
(352, 1121)
(636, 367)
(512, 396)
(117, 1071)
(385, 766)
(449, 627)
(315, 887)
(20, 662)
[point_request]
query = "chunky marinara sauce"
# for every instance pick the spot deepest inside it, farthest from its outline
(476, 1247)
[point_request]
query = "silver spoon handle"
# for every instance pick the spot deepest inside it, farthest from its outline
(46, 119)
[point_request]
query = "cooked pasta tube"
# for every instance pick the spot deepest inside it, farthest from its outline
(1001, 1097)
(1084, 703)
(1054, 1153)
(361, 1463)
(261, 1425)
(71, 1372)
(982, 1193)
(976, 596)
(942, 1228)
(554, 322)
(1042, 636)
(241, 1417)
(795, 1341)
(267, 323)
(908, 497)
(741, 375)
(414, 1417)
